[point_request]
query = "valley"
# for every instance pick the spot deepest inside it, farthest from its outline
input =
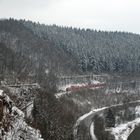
(67, 83)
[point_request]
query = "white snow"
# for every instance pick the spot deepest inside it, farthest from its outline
(79, 121)
(92, 132)
(29, 110)
(1, 92)
(81, 103)
(19, 112)
(121, 132)
(137, 111)
(63, 88)
(47, 71)
(21, 129)
(60, 94)
(95, 82)
(98, 109)
(83, 117)
(7, 98)
(18, 128)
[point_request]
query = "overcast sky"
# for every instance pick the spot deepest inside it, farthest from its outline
(110, 15)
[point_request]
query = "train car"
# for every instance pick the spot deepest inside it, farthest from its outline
(75, 88)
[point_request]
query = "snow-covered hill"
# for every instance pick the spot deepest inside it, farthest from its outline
(13, 125)
(122, 131)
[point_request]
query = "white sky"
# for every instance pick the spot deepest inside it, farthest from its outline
(111, 15)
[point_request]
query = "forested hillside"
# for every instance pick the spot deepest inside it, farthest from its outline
(41, 52)
(96, 51)
(14, 64)
(71, 50)
(32, 52)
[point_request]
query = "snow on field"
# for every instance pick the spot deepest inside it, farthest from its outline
(121, 132)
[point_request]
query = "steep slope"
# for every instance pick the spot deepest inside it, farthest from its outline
(14, 65)
(12, 122)
(96, 51)
(71, 50)
(39, 50)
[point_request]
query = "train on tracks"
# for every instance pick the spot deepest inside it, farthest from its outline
(79, 87)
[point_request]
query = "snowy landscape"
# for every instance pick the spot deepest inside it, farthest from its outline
(69, 70)
(38, 102)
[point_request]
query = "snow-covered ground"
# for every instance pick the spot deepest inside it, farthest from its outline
(80, 119)
(14, 127)
(81, 103)
(121, 132)
(92, 131)
(1, 92)
(20, 129)
(60, 94)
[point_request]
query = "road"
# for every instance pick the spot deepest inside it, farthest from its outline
(93, 137)
(82, 128)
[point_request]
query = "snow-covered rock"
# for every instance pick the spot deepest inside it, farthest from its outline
(1, 92)
(122, 131)
(20, 129)
(13, 125)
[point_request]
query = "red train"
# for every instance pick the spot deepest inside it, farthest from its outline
(75, 88)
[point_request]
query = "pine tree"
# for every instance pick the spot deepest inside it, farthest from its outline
(109, 118)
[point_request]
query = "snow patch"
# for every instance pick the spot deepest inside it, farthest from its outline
(20, 129)
(60, 94)
(14, 126)
(137, 111)
(93, 137)
(19, 112)
(83, 117)
(121, 132)
(1, 92)
(63, 88)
